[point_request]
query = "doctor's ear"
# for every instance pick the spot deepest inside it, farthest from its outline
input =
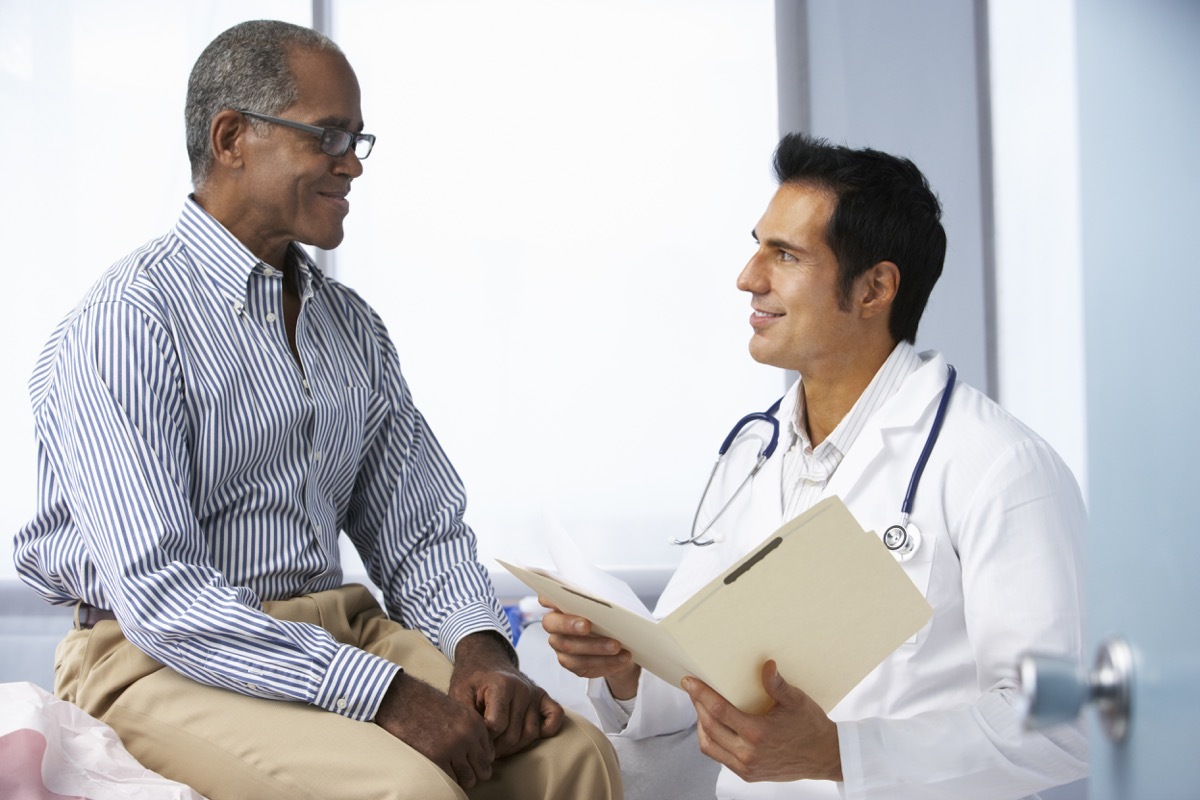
(877, 289)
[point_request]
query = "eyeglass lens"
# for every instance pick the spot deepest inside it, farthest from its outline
(336, 143)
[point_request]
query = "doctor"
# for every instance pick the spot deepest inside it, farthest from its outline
(847, 254)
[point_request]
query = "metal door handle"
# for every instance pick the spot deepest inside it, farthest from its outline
(1055, 689)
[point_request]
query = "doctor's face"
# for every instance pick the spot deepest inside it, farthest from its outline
(792, 279)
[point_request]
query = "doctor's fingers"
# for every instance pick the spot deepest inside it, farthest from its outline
(586, 654)
(555, 621)
(724, 720)
(748, 761)
(585, 646)
(566, 639)
(579, 655)
(713, 747)
(717, 740)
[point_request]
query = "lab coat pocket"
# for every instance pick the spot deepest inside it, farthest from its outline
(919, 570)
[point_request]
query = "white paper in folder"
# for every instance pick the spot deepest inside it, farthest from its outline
(821, 596)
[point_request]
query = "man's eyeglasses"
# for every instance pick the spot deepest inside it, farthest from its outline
(334, 141)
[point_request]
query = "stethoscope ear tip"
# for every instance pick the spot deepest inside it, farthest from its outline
(696, 540)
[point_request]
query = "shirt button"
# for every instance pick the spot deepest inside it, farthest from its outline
(341, 704)
(268, 271)
(271, 316)
(317, 455)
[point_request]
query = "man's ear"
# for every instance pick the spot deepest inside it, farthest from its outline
(877, 289)
(225, 136)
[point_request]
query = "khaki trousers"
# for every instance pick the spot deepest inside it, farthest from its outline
(228, 746)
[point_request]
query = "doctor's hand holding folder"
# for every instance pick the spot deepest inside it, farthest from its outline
(821, 597)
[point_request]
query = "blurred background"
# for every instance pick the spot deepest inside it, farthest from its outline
(558, 206)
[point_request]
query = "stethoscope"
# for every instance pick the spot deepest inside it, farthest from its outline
(902, 539)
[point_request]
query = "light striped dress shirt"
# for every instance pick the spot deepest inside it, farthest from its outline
(189, 469)
(807, 469)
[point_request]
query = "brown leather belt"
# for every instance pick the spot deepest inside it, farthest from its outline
(86, 617)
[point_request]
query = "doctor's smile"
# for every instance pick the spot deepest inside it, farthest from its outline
(759, 319)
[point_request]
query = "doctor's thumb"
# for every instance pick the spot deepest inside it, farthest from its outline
(777, 688)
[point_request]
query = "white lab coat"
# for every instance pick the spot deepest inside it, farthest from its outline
(1002, 522)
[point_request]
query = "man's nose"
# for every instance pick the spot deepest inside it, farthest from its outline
(753, 277)
(348, 164)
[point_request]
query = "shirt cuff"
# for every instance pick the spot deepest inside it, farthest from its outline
(613, 714)
(852, 785)
(355, 683)
(473, 619)
(626, 706)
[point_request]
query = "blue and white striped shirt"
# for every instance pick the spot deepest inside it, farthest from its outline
(188, 470)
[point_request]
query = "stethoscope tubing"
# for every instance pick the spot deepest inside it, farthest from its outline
(919, 469)
(769, 417)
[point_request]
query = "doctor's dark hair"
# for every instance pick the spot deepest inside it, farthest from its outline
(246, 68)
(885, 212)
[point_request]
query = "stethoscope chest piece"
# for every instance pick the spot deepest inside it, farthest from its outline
(903, 541)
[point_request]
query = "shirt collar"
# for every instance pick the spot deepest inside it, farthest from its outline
(229, 263)
(902, 362)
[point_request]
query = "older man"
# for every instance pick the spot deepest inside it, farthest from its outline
(209, 418)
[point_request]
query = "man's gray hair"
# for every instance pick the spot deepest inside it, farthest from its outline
(246, 68)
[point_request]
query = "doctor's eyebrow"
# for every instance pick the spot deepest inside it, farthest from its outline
(779, 244)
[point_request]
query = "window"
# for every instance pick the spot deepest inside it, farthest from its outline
(551, 225)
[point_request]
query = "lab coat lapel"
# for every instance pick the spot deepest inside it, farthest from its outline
(904, 410)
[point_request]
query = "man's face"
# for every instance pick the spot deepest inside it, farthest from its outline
(793, 282)
(295, 191)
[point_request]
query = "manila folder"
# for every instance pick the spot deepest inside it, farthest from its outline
(821, 596)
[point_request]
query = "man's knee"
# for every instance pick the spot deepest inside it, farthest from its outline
(597, 771)
(578, 763)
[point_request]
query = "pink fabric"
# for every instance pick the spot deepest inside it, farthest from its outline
(22, 753)
(52, 750)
